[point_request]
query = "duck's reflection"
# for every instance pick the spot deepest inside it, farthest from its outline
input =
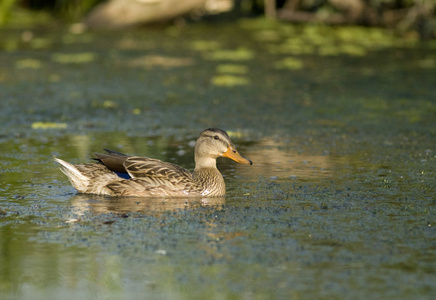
(82, 203)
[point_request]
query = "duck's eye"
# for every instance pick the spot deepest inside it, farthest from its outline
(216, 137)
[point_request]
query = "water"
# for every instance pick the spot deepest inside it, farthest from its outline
(338, 204)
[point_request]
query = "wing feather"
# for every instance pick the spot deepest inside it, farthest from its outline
(154, 168)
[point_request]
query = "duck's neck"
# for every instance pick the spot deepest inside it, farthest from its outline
(209, 179)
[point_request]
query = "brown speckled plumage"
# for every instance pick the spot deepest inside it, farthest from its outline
(154, 178)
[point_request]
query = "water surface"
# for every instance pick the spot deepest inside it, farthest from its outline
(338, 204)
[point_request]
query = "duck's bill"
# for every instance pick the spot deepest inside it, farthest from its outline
(232, 153)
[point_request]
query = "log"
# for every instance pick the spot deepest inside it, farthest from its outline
(127, 13)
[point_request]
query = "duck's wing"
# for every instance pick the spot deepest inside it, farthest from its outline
(113, 160)
(153, 177)
(138, 167)
(146, 176)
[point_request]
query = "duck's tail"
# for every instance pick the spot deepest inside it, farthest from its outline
(88, 178)
(77, 178)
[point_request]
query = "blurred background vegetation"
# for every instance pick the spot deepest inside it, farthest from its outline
(15, 11)
(404, 16)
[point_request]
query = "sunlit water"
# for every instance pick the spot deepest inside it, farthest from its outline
(339, 203)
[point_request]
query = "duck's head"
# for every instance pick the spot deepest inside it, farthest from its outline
(213, 143)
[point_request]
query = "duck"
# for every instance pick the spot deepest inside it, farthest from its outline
(118, 174)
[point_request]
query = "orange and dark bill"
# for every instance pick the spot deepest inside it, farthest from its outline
(232, 153)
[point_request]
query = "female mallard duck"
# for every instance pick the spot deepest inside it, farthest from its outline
(151, 177)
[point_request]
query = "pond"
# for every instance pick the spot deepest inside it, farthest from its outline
(339, 122)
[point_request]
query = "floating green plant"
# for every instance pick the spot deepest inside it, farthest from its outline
(40, 43)
(232, 68)
(267, 35)
(28, 63)
(74, 58)
(289, 63)
(204, 45)
(48, 125)
(353, 49)
(229, 80)
(238, 54)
